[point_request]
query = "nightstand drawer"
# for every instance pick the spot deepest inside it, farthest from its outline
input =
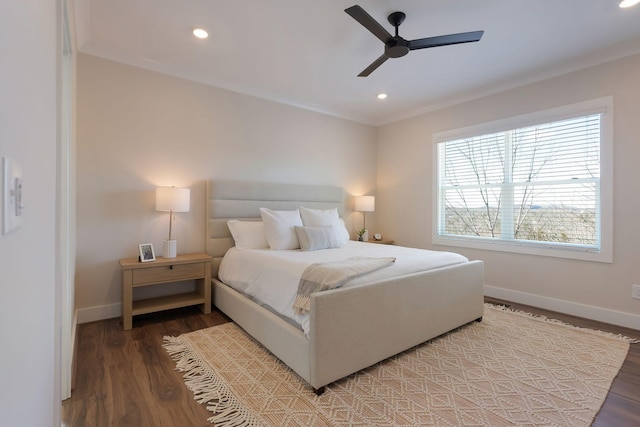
(168, 273)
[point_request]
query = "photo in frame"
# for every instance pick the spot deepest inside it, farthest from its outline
(146, 252)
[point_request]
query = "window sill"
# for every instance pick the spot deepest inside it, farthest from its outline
(521, 248)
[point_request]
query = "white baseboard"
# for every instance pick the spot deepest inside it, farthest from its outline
(68, 359)
(74, 350)
(627, 320)
(74, 330)
(567, 307)
(100, 312)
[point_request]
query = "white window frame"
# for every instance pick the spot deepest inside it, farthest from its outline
(603, 106)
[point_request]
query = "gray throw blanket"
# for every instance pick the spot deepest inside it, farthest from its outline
(331, 275)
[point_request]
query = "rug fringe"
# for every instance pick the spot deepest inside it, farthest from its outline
(618, 337)
(207, 387)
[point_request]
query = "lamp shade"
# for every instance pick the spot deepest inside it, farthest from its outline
(173, 199)
(365, 204)
(628, 3)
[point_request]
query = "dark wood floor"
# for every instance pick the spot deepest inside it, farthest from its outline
(125, 378)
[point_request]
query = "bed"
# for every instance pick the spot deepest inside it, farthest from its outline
(349, 328)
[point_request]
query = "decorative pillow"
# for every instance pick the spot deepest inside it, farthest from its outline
(325, 218)
(248, 234)
(278, 228)
(314, 238)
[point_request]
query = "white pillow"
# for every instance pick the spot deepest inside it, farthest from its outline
(278, 228)
(314, 238)
(248, 234)
(342, 233)
(324, 218)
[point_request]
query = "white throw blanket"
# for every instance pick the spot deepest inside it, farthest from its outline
(331, 275)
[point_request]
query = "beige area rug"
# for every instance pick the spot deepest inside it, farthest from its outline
(510, 369)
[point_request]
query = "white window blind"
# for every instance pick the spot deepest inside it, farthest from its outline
(537, 185)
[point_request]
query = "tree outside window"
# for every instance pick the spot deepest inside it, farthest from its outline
(537, 184)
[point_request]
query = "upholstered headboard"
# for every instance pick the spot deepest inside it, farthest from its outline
(243, 200)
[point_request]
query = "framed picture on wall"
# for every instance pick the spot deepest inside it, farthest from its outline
(146, 252)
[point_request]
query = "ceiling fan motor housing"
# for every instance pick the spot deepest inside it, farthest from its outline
(396, 47)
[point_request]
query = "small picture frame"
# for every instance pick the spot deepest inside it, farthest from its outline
(146, 252)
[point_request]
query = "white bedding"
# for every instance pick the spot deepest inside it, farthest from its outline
(272, 276)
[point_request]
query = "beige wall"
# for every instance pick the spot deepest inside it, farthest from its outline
(139, 129)
(597, 290)
(29, 307)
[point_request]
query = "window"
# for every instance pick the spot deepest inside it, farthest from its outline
(537, 184)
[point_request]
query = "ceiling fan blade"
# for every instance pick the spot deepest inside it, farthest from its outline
(449, 39)
(359, 14)
(375, 64)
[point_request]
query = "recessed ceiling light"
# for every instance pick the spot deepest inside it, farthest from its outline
(628, 3)
(200, 33)
(384, 95)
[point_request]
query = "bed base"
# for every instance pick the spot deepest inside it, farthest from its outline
(320, 391)
(382, 321)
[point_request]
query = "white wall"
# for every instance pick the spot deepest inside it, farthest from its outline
(597, 290)
(29, 324)
(138, 129)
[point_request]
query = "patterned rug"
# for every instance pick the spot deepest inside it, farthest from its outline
(510, 369)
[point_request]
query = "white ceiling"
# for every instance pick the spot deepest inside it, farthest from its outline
(308, 53)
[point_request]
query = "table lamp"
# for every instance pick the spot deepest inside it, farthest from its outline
(365, 204)
(172, 199)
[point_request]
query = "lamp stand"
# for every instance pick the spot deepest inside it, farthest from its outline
(169, 246)
(172, 199)
(365, 235)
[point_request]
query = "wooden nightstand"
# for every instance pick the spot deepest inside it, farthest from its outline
(160, 271)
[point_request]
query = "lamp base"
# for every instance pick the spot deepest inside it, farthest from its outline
(170, 248)
(365, 236)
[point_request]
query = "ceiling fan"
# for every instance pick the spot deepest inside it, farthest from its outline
(396, 46)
